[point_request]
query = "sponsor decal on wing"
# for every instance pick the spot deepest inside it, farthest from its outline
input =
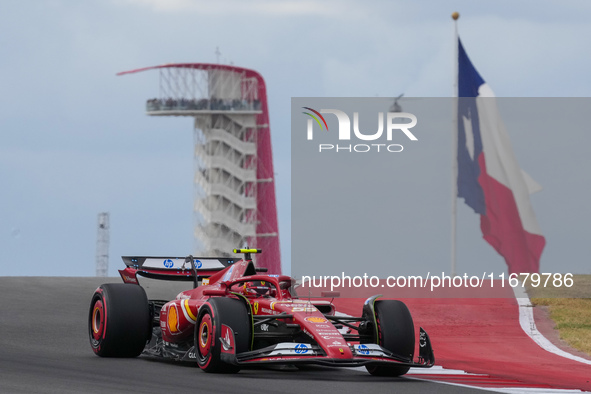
(368, 349)
(292, 349)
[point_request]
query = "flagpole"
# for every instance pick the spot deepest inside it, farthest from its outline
(454, 158)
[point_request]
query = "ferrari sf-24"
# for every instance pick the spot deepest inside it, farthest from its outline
(236, 317)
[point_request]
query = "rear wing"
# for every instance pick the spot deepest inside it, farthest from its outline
(172, 268)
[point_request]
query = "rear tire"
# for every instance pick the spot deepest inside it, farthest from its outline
(396, 333)
(208, 330)
(119, 323)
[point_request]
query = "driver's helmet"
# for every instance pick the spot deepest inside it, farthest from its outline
(257, 288)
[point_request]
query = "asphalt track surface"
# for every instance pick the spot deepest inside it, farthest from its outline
(44, 348)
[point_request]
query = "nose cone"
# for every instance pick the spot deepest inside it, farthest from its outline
(338, 349)
(327, 336)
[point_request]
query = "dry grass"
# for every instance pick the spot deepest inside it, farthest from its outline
(570, 309)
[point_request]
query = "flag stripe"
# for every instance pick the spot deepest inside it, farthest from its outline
(501, 162)
(502, 226)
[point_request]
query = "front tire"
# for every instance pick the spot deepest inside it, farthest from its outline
(119, 323)
(212, 315)
(396, 333)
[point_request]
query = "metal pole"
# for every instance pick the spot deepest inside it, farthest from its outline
(102, 245)
(454, 158)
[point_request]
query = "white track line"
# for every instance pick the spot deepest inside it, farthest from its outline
(507, 390)
(528, 324)
(437, 370)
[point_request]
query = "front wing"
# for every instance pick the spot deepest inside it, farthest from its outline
(363, 354)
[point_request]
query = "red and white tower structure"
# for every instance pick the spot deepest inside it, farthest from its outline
(235, 201)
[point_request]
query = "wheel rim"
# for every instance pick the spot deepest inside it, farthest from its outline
(205, 335)
(98, 321)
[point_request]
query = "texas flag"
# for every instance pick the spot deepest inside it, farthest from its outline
(489, 177)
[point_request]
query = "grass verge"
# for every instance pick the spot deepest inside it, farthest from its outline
(570, 309)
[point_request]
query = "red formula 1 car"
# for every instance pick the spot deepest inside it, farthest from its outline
(236, 317)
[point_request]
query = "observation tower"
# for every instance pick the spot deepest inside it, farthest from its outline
(235, 201)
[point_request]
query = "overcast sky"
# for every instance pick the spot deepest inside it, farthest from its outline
(75, 140)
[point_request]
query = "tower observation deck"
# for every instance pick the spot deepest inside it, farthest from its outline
(235, 203)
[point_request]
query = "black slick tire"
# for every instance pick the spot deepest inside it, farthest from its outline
(212, 315)
(396, 333)
(119, 323)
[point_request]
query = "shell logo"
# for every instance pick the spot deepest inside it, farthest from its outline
(173, 319)
(314, 319)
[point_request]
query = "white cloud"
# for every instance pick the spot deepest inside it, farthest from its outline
(259, 7)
